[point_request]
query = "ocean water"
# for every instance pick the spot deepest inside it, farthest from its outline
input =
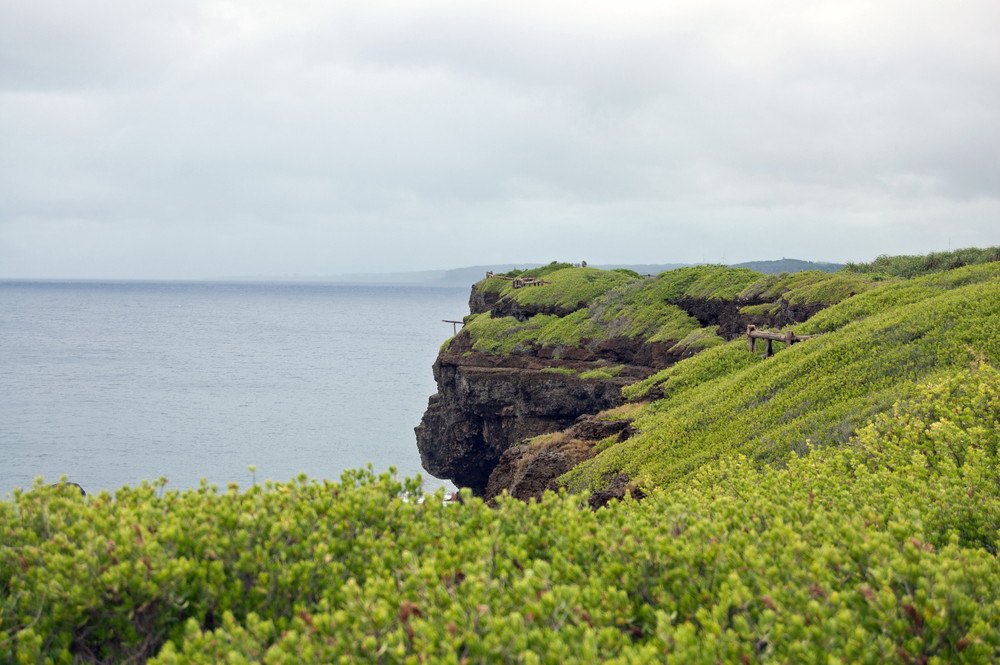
(113, 383)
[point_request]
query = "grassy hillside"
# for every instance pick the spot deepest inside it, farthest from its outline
(876, 348)
(609, 304)
(883, 550)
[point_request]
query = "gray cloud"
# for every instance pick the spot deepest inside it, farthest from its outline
(199, 139)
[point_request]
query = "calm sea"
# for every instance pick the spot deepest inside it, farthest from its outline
(113, 383)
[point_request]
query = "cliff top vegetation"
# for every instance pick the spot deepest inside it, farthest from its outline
(587, 306)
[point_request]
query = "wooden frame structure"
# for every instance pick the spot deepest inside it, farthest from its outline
(771, 336)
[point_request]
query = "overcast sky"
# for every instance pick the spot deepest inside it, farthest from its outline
(199, 139)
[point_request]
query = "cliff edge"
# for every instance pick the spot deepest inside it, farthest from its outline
(533, 360)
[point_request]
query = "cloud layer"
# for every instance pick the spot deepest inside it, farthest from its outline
(205, 139)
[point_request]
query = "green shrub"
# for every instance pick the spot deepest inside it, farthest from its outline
(609, 372)
(915, 266)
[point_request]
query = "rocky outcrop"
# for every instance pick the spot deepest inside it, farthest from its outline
(482, 301)
(722, 313)
(481, 410)
(527, 469)
(732, 323)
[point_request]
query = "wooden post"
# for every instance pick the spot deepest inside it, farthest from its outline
(750, 338)
(790, 338)
(768, 349)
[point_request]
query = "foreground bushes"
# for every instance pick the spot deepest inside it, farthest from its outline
(884, 550)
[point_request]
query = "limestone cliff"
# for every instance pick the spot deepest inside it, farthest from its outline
(485, 405)
(506, 378)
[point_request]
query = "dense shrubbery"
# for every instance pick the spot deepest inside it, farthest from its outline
(914, 266)
(883, 550)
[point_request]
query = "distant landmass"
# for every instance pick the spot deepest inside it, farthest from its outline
(471, 274)
(788, 265)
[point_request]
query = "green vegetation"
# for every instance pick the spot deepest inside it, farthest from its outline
(568, 288)
(726, 401)
(808, 287)
(610, 304)
(898, 295)
(883, 550)
(914, 266)
(618, 303)
(506, 335)
(609, 372)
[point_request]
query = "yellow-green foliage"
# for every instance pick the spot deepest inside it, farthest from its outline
(914, 266)
(711, 282)
(821, 389)
(617, 305)
(565, 371)
(603, 372)
(883, 550)
(505, 335)
(643, 309)
(765, 309)
(567, 287)
(898, 295)
(698, 340)
(812, 286)
(713, 364)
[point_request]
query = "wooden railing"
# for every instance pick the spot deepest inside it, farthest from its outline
(771, 336)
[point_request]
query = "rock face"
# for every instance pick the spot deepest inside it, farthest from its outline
(481, 410)
(526, 470)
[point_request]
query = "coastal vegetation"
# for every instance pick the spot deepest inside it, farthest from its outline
(880, 550)
(836, 502)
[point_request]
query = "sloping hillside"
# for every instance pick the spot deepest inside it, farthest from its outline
(874, 349)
